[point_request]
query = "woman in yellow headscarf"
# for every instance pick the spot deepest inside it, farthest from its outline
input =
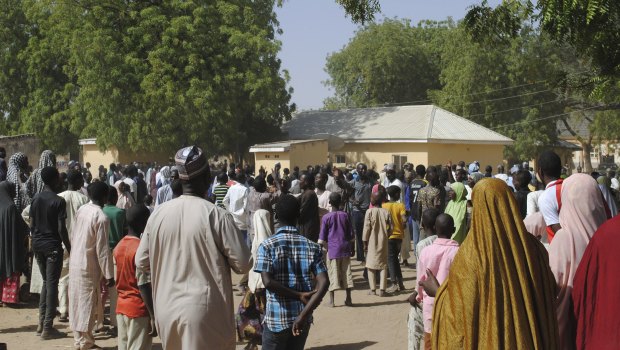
(457, 209)
(500, 291)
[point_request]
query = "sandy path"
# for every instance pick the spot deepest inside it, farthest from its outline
(373, 323)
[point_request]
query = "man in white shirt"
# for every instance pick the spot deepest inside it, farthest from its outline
(615, 184)
(235, 201)
(549, 171)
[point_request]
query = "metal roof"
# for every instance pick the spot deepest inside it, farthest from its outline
(280, 146)
(424, 124)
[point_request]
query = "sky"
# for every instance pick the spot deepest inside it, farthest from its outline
(315, 28)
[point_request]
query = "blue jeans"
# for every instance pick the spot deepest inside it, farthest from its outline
(284, 340)
(358, 227)
(50, 265)
(415, 233)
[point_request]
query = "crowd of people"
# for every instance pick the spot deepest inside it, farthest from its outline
(519, 260)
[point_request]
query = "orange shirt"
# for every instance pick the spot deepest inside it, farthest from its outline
(129, 302)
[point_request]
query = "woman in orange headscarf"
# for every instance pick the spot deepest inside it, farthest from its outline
(500, 291)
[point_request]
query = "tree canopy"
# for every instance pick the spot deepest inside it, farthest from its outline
(143, 75)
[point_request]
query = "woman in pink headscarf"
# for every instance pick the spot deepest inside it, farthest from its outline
(583, 211)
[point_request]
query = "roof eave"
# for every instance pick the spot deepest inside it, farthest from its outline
(444, 141)
(268, 149)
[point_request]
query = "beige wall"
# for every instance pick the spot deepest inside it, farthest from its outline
(268, 160)
(308, 153)
(92, 155)
(492, 155)
(376, 154)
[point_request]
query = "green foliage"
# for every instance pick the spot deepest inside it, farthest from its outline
(387, 63)
(361, 11)
(151, 75)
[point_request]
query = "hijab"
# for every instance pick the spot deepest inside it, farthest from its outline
(17, 162)
(262, 230)
(12, 234)
(604, 183)
(596, 288)
(500, 291)
(165, 176)
(457, 208)
(35, 182)
(583, 211)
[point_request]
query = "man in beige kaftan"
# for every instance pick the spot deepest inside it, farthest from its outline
(189, 246)
(90, 261)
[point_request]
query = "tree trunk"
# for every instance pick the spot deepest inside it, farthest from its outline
(587, 161)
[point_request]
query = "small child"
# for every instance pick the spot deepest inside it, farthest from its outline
(436, 258)
(415, 321)
(377, 229)
(398, 215)
(125, 199)
(220, 190)
(148, 201)
(134, 308)
(337, 237)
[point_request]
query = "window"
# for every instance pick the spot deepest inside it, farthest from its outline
(267, 156)
(276, 156)
(594, 152)
(398, 161)
(340, 159)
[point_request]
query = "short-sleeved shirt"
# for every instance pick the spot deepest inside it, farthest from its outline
(118, 228)
(429, 197)
(46, 209)
(128, 279)
(293, 261)
(548, 204)
(219, 192)
(415, 187)
(397, 213)
(337, 231)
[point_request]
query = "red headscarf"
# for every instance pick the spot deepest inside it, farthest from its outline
(596, 289)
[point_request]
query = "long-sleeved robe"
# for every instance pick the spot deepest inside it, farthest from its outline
(189, 246)
(90, 260)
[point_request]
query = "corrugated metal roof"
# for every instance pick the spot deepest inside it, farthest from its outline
(427, 123)
(280, 146)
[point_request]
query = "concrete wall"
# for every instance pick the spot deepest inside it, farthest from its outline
(27, 144)
(308, 153)
(376, 154)
(492, 155)
(268, 160)
(92, 154)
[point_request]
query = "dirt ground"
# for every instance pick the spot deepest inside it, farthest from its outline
(372, 323)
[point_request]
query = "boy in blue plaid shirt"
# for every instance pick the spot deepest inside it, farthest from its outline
(288, 263)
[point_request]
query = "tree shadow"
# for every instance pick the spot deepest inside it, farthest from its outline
(381, 303)
(348, 346)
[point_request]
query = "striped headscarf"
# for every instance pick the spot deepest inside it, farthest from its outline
(35, 182)
(17, 162)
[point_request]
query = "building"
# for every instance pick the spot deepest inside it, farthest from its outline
(90, 152)
(599, 153)
(290, 154)
(30, 145)
(416, 134)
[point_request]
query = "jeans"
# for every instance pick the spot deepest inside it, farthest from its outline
(284, 340)
(50, 265)
(393, 265)
(358, 226)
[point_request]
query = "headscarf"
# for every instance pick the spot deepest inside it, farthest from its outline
(262, 231)
(457, 208)
(17, 162)
(165, 175)
(596, 289)
(473, 167)
(583, 211)
(477, 176)
(12, 234)
(500, 291)
(35, 182)
(604, 183)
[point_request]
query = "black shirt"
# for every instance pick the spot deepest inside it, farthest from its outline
(46, 210)
(416, 186)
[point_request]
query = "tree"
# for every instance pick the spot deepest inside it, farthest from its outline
(386, 63)
(150, 75)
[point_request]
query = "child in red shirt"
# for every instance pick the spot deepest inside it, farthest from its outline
(134, 309)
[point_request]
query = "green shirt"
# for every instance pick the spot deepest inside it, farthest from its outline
(118, 227)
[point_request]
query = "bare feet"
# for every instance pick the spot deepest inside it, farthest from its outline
(381, 293)
(371, 292)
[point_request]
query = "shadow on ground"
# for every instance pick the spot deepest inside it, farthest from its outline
(349, 346)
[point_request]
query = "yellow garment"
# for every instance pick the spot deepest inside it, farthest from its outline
(500, 292)
(397, 213)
